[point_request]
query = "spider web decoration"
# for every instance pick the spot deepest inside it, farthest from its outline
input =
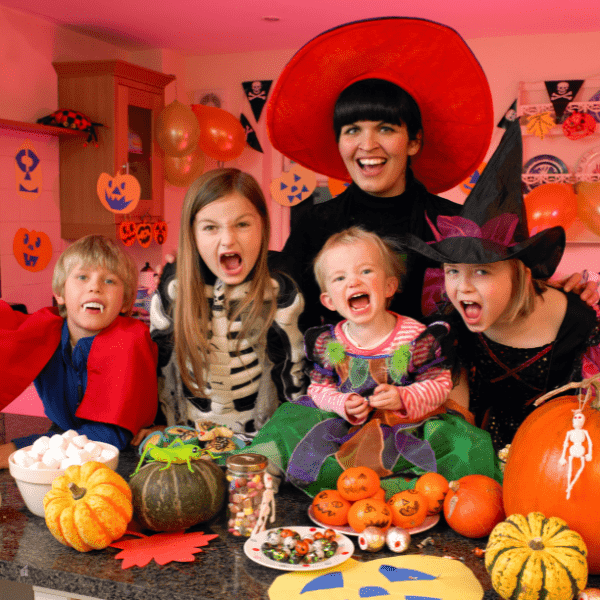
(162, 547)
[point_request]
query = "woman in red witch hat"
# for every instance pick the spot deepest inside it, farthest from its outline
(402, 109)
(517, 337)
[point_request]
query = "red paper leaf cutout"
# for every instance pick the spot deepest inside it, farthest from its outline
(162, 547)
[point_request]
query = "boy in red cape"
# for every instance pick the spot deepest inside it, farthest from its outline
(93, 365)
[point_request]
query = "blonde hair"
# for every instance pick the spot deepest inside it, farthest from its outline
(393, 265)
(192, 312)
(525, 289)
(97, 250)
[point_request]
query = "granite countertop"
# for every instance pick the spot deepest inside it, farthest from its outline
(31, 555)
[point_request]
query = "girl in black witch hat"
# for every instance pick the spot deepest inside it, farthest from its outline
(518, 337)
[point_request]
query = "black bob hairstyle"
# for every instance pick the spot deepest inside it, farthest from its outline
(377, 100)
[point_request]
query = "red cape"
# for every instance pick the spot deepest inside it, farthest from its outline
(121, 387)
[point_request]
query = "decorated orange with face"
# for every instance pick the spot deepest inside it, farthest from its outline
(357, 483)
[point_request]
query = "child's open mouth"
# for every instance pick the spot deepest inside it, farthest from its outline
(93, 307)
(472, 311)
(231, 262)
(359, 302)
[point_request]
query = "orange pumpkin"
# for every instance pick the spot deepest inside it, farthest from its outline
(535, 481)
(434, 487)
(32, 249)
(127, 232)
(357, 483)
(473, 505)
(330, 508)
(143, 233)
(160, 229)
(369, 512)
(119, 194)
(409, 508)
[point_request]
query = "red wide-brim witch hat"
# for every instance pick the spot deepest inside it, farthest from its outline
(430, 61)
(492, 224)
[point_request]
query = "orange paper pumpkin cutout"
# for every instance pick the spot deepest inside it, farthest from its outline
(119, 194)
(28, 172)
(127, 232)
(336, 186)
(143, 233)
(159, 231)
(293, 186)
(32, 249)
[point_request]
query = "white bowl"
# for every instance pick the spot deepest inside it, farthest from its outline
(34, 483)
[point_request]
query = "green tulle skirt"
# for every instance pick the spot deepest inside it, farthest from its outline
(460, 448)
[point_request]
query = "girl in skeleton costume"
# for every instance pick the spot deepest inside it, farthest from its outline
(230, 347)
(517, 337)
(400, 108)
(379, 387)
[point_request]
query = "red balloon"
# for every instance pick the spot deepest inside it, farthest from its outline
(549, 205)
(222, 136)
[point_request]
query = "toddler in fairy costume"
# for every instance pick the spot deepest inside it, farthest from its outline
(380, 384)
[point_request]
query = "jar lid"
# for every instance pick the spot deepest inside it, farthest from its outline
(247, 463)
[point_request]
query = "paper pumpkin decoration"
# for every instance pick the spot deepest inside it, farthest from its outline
(293, 186)
(127, 232)
(32, 249)
(468, 183)
(159, 231)
(119, 194)
(143, 233)
(28, 172)
(415, 577)
(336, 186)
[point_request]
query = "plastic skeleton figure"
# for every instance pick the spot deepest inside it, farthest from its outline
(267, 506)
(577, 436)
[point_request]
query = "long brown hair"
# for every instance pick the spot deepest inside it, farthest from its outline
(192, 312)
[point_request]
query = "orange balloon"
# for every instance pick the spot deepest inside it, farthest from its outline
(588, 205)
(177, 129)
(182, 171)
(222, 136)
(549, 205)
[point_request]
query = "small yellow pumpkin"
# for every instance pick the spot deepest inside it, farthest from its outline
(536, 557)
(88, 507)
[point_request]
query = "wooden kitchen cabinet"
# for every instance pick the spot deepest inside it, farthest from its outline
(126, 99)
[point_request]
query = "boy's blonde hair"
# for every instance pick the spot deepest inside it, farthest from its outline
(97, 250)
(525, 289)
(192, 312)
(393, 265)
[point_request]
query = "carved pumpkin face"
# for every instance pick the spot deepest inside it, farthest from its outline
(127, 232)
(294, 186)
(119, 194)
(418, 577)
(144, 234)
(160, 232)
(32, 249)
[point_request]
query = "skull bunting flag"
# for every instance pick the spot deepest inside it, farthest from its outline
(251, 137)
(561, 93)
(257, 92)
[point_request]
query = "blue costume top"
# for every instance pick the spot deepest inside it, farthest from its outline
(61, 385)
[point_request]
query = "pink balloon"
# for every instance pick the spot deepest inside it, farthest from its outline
(222, 136)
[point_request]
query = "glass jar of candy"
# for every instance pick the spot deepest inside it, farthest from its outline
(246, 477)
